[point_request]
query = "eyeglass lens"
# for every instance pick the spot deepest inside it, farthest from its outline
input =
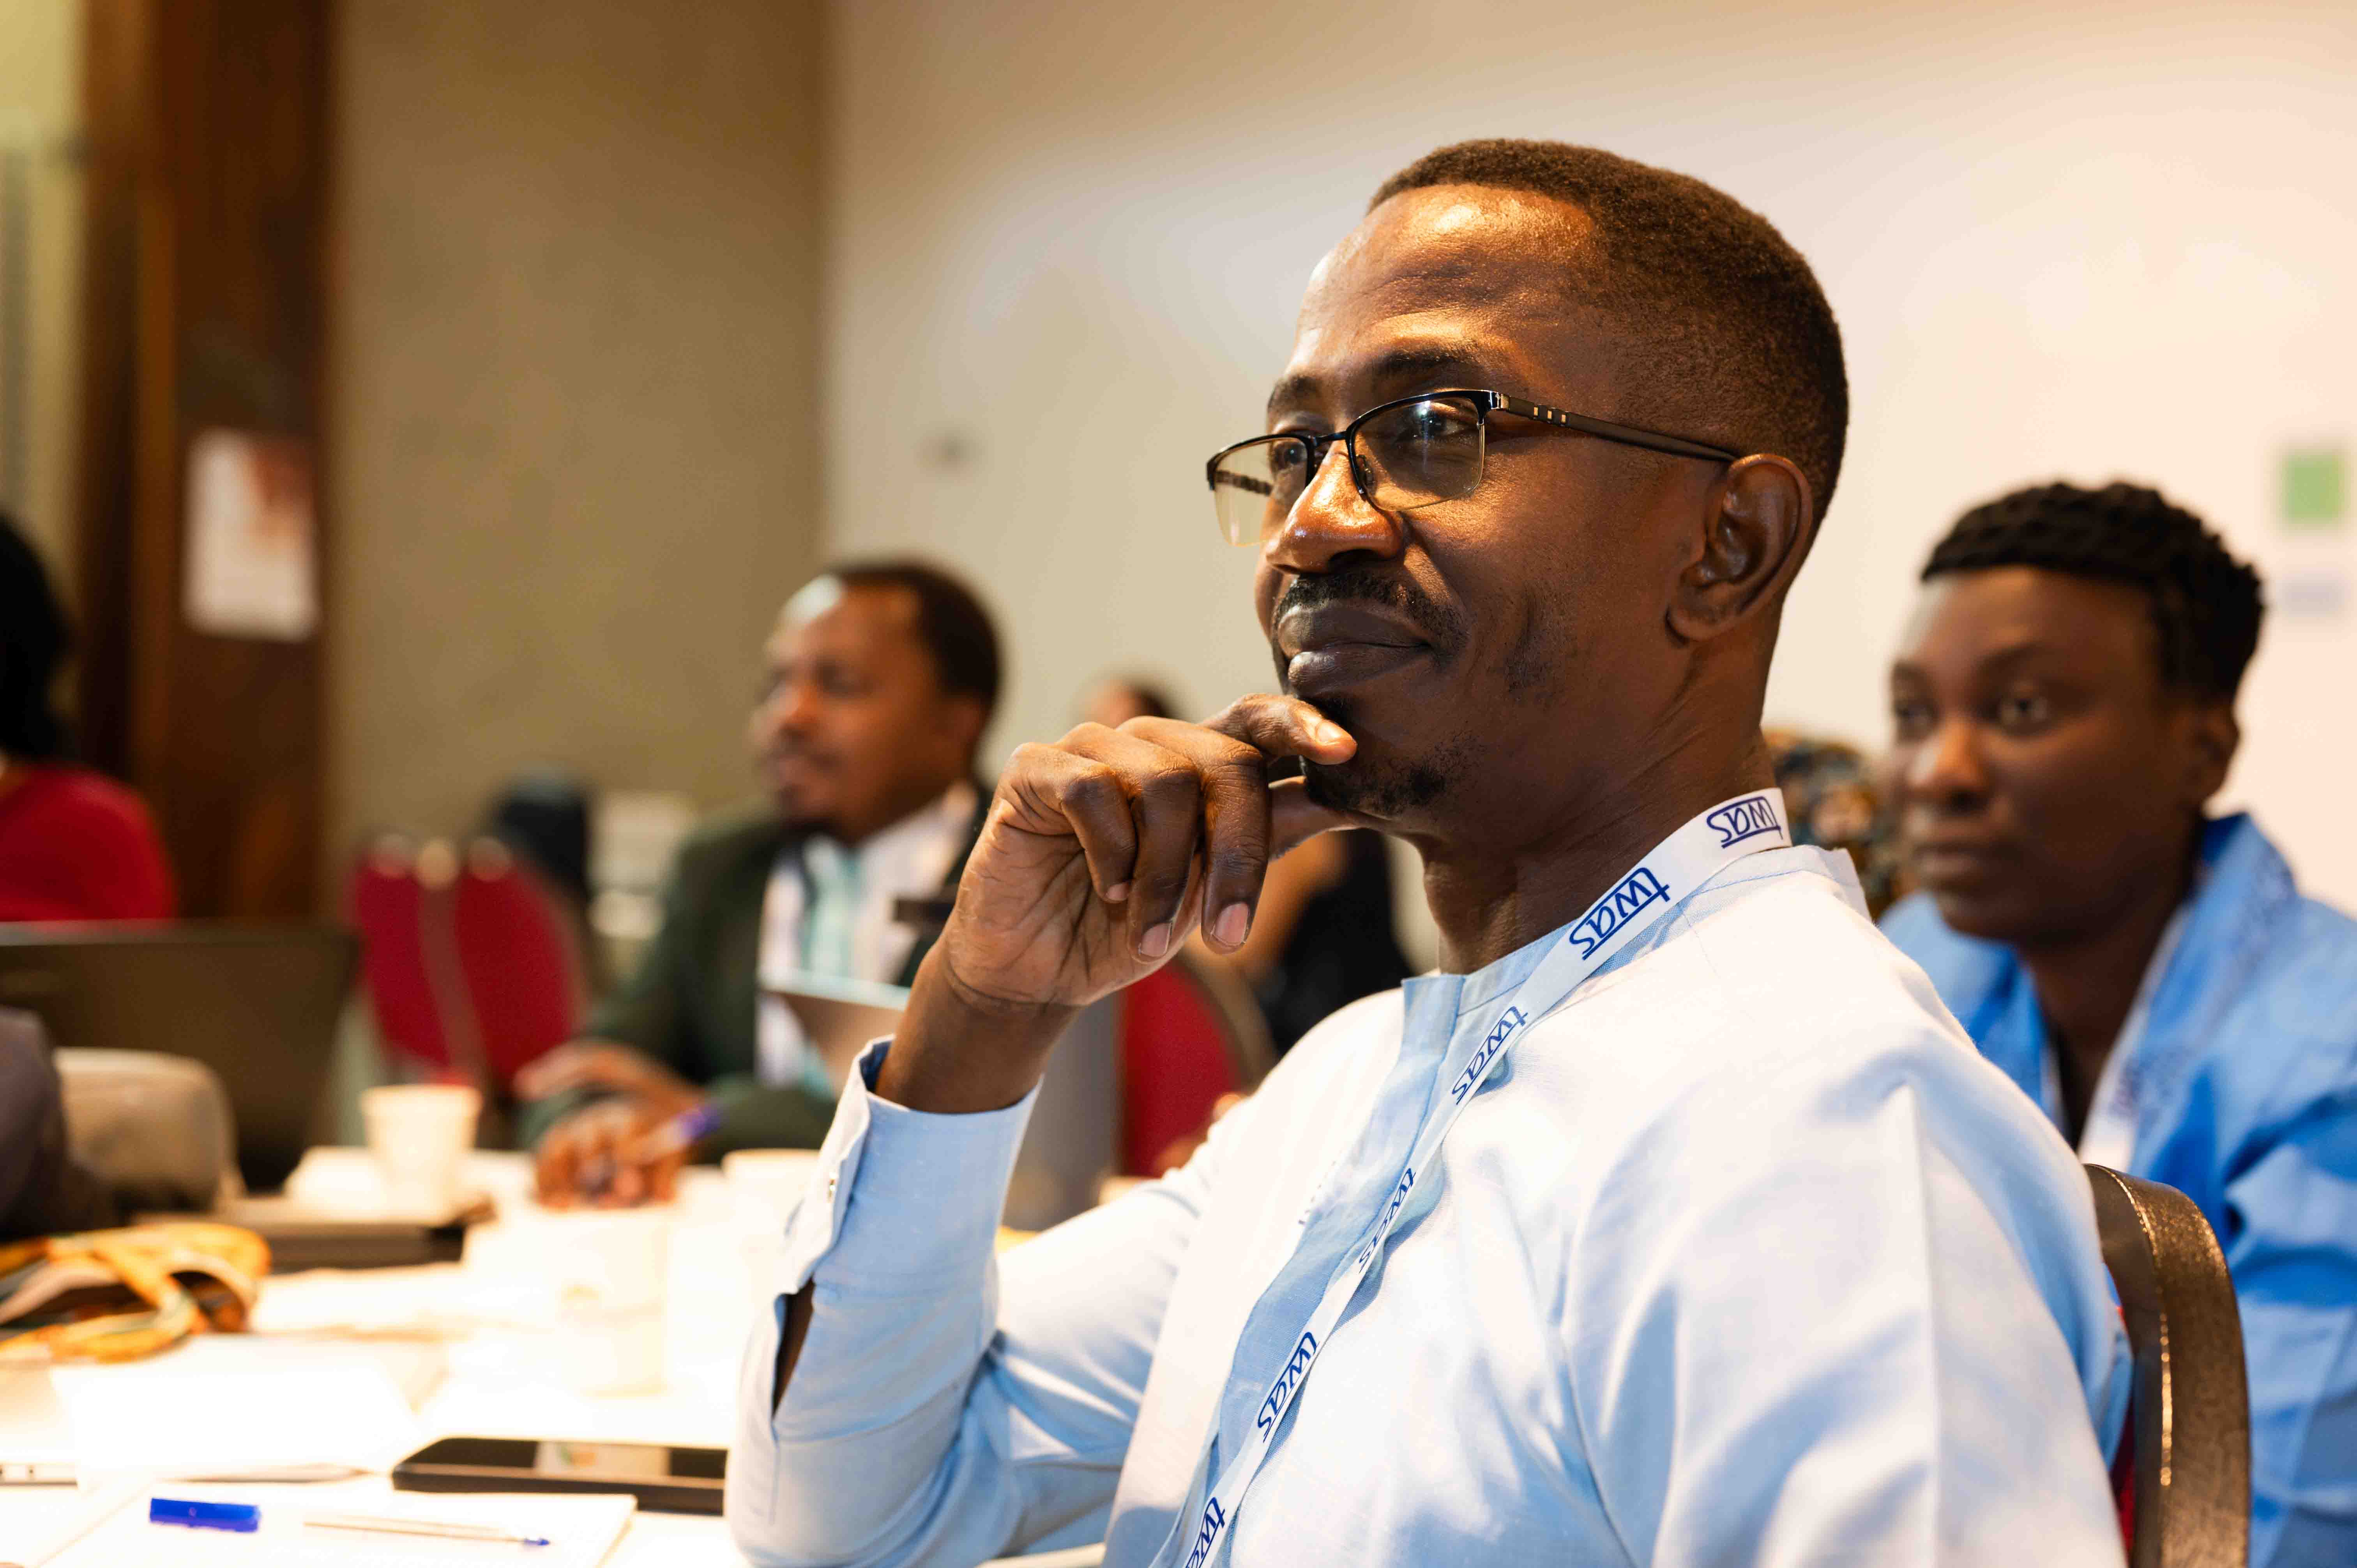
(1409, 456)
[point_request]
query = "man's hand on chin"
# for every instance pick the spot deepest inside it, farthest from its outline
(1101, 854)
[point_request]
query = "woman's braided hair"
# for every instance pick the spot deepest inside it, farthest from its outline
(2205, 603)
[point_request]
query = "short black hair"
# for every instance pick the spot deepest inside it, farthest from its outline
(1748, 354)
(2205, 603)
(34, 641)
(1153, 699)
(950, 622)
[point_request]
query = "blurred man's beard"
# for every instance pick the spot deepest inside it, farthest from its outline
(800, 807)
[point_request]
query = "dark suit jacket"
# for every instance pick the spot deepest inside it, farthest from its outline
(691, 1002)
(42, 1191)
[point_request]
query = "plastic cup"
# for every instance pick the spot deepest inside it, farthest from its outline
(610, 1271)
(419, 1135)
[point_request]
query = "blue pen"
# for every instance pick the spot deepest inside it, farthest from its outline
(670, 1137)
(244, 1518)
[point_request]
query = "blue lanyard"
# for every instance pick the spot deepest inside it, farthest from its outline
(1689, 857)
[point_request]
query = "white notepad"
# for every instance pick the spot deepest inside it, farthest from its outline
(581, 1531)
(231, 1402)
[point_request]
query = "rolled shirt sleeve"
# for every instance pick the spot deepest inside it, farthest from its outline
(928, 1419)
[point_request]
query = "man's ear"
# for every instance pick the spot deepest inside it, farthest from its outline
(1756, 529)
(2212, 736)
(964, 720)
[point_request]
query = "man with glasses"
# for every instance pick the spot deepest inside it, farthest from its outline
(1673, 1221)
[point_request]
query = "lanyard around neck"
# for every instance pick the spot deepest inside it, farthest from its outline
(1705, 845)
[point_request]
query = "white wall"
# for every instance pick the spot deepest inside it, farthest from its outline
(2072, 238)
(573, 341)
(40, 117)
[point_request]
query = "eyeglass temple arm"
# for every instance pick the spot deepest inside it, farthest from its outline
(1627, 435)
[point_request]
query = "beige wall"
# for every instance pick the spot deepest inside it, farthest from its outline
(40, 115)
(2081, 237)
(572, 424)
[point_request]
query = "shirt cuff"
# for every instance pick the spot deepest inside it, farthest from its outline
(903, 1198)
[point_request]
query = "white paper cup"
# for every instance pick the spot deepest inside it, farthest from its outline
(420, 1133)
(609, 1268)
(764, 1184)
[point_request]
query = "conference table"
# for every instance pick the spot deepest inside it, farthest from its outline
(360, 1367)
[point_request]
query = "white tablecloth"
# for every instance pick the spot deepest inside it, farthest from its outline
(469, 1346)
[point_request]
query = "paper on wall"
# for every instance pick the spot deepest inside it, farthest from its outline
(252, 568)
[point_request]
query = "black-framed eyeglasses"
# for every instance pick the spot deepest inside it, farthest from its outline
(1406, 452)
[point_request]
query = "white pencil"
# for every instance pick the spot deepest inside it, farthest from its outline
(445, 1530)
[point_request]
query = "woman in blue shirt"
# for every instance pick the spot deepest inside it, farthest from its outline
(2063, 709)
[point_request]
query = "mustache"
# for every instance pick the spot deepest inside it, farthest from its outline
(1441, 625)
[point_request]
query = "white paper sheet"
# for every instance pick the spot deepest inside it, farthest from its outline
(228, 1401)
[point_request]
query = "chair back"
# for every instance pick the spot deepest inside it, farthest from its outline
(1189, 1034)
(2186, 1473)
(520, 957)
(398, 899)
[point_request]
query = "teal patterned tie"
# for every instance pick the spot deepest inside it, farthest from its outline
(832, 876)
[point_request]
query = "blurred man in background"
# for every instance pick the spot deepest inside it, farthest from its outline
(881, 679)
(2064, 710)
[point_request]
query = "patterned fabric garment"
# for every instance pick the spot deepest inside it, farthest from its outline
(1835, 802)
(116, 1295)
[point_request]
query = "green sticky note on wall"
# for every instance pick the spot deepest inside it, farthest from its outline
(2315, 488)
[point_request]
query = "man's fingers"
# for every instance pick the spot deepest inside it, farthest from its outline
(553, 1166)
(1284, 727)
(559, 1070)
(1175, 818)
(587, 1157)
(1232, 853)
(1089, 798)
(584, 1064)
(1168, 803)
(1185, 784)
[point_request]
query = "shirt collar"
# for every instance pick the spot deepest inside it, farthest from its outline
(1496, 979)
(945, 819)
(2241, 889)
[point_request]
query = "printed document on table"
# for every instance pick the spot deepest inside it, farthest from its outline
(581, 1531)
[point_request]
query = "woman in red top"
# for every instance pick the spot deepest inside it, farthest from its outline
(74, 845)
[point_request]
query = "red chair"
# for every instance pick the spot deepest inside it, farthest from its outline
(520, 959)
(397, 897)
(1189, 1034)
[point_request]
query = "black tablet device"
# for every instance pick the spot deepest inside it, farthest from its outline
(664, 1480)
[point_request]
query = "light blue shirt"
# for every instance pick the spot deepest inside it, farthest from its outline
(2241, 1091)
(1743, 1256)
